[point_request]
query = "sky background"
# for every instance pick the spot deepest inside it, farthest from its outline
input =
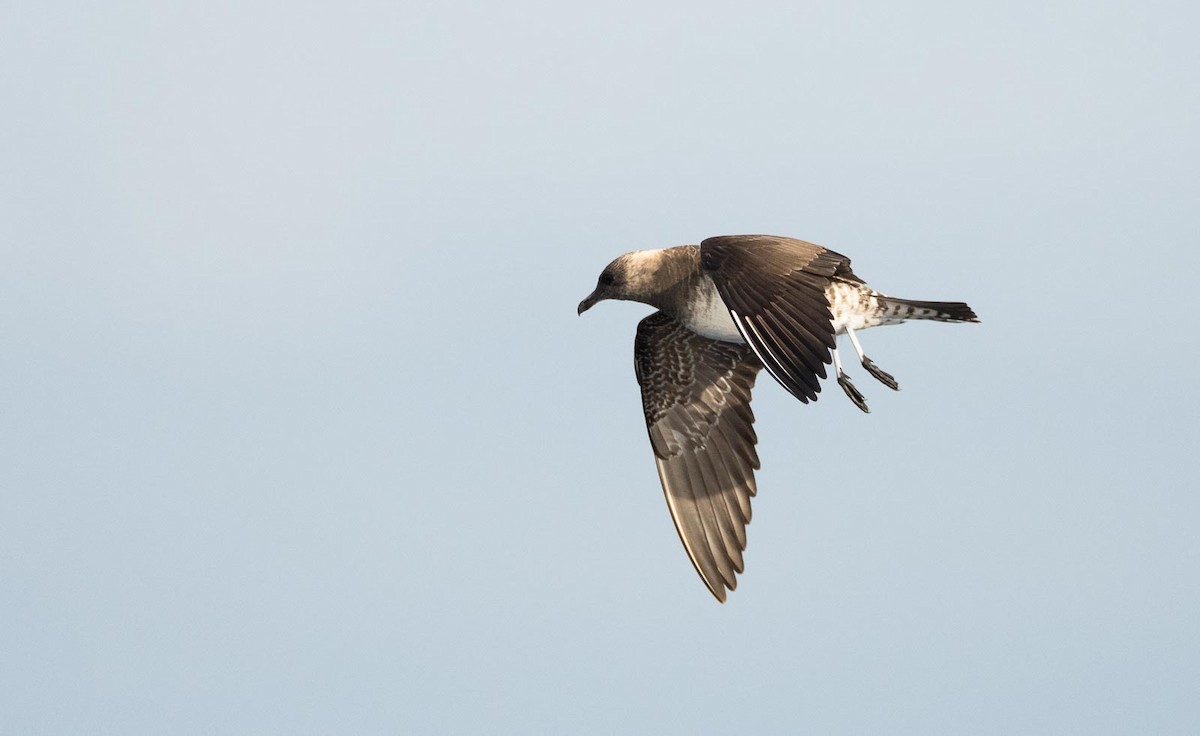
(300, 432)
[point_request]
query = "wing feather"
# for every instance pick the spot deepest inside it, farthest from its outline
(775, 290)
(696, 397)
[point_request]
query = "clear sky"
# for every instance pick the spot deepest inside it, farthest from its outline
(300, 433)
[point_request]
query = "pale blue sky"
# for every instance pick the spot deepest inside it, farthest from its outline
(300, 433)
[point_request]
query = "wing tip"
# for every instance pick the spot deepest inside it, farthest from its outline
(721, 589)
(718, 592)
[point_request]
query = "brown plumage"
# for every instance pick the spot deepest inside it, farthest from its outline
(696, 397)
(728, 308)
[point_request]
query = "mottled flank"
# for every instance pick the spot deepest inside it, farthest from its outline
(855, 305)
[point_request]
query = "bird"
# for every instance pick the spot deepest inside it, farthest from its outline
(728, 308)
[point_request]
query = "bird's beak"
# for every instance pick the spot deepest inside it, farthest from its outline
(589, 302)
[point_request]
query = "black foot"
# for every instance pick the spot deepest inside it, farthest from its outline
(884, 377)
(852, 392)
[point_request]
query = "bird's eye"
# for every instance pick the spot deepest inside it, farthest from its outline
(607, 279)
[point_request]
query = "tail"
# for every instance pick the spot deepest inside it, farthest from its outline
(938, 311)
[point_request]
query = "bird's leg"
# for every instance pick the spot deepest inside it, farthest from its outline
(884, 377)
(848, 387)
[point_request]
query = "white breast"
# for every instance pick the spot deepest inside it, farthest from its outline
(708, 315)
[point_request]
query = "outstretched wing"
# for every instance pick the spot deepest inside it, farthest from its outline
(775, 291)
(696, 396)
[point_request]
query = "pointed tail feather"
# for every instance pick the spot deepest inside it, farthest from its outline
(938, 311)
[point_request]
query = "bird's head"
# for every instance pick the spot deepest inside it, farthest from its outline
(627, 278)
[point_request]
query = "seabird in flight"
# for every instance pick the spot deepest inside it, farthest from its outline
(728, 307)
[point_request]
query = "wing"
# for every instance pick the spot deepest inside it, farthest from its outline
(696, 396)
(775, 291)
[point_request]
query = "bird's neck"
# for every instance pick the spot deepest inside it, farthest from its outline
(678, 277)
